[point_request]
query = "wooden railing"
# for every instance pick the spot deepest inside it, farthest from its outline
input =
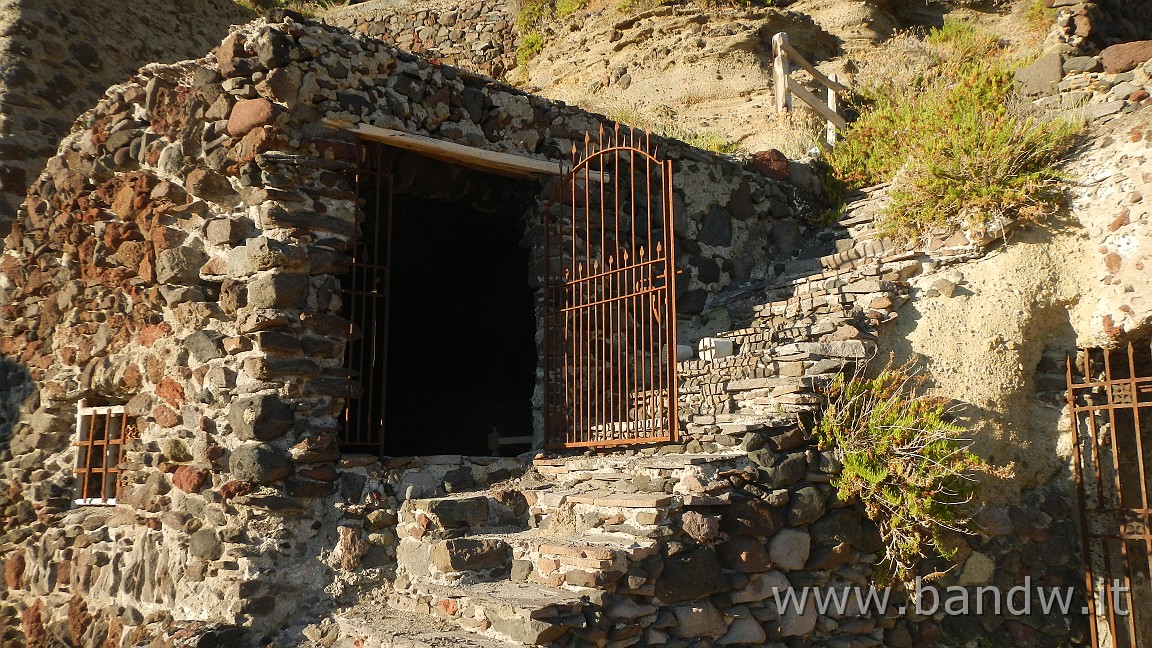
(783, 54)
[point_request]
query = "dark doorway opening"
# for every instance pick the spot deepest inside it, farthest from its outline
(462, 358)
(442, 351)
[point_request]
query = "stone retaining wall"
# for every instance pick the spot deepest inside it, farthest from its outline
(479, 37)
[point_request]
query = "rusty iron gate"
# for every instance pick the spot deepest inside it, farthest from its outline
(364, 290)
(100, 435)
(1110, 396)
(609, 303)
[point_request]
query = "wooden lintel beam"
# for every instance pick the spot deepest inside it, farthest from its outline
(505, 164)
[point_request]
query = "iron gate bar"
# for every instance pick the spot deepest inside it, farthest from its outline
(1120, 395)
(609, 304)
(368, 306)
(110, 447)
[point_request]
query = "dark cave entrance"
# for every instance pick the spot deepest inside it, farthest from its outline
(443, 350)
(462, 357)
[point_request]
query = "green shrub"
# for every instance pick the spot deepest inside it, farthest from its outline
(531, 44)
(904, 461)
(532, 14)
(568, 7)
(966, 158)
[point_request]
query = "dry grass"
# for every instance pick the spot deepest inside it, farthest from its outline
(793, 133)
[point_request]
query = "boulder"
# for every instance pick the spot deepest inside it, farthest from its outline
(205, 544)
(1126, 56)
(699, 620)
(752, 517)
(259, 463)
(789, 548)
(691, 575)
(470, 554)
(1040, 78)
(250, 113)
(762, 587)
(260, 417)
(743, 554)
(770, 164)
(806, 506)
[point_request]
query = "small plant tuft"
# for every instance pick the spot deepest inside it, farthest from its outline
(904, 460)
(531, 44)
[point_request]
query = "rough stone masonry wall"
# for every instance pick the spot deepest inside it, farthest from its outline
(180, 255)
(57, 57)
(476, 36)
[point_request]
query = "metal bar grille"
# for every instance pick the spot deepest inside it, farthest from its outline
(609, 298)
(1110, 397)
(100, 435)
(365, 294)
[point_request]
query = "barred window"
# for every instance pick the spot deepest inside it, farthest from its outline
(100, 434)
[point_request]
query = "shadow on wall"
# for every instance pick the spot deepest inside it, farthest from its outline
(16, 387)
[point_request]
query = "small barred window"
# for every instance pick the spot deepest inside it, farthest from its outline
(100, 435)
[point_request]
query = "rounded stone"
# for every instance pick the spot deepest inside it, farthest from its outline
(260, 417)
(259, 463)
(250, 113)
(205, 544)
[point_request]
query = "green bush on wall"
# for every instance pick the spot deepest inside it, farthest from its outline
(904, 461)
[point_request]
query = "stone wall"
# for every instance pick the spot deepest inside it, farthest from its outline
(180, 256)
(1093, 26)
(57, 57)
(479, 37)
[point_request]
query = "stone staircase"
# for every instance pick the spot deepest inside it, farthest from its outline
(555, 564)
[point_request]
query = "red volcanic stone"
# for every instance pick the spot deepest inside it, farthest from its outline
(149, 334)
(250, 113)
(770, 164)
(14, 571)
(1138, 95)
(235, 489)
(1022, 635)
(165, 417)
(188, 479)
(33, 625)
(1126, 56)
(78, 619)
(228, 53)
(255, 142)
(171, 391)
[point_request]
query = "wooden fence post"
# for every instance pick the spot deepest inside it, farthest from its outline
(831, 129)
(780, 72)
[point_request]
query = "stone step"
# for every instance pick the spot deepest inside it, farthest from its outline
(523, 613)
(455, 561)
(462, 514)
(357, 633)
(577, 561)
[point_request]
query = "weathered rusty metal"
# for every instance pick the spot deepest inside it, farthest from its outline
(1111, 411)
(609, 303)
(100, 434)
(365, 294)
